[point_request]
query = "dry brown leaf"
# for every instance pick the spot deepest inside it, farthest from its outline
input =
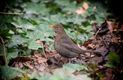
(82, 9)
(28, 65)
(41, 60)
(40, 67)
(85, 5)
(110, 25)
(37, 55)
(113, 26)
(20, 65)
(39, 42)
(92, 46)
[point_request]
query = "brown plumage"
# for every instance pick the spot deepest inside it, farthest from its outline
(64, 45)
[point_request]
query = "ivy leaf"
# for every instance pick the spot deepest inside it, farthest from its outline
(62, 2)
(61, 74)
(42, 32)
(23, 24)
(73, 67)
(12, 53)
(71, 7)
(57, 18)
(66, 73)
(75, 19)
(33, 45)
(37, 76)
(34, 8)
(9, 73)
(17, 40)
(36, 34)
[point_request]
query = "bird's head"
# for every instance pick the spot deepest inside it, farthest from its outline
(58, 28)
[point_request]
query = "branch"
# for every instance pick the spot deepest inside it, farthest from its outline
(4, 13)
(4, 51)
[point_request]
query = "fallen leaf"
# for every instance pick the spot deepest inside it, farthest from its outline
(28, 65)
(110, 26)
(82, 9)
(85, 5)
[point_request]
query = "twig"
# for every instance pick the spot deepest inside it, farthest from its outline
(4, 51)
(4, 13)
(97, 32)
(43, 49)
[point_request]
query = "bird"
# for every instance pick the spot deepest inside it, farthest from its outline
(64, 45)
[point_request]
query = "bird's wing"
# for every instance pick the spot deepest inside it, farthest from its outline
(76, 49)
(66, 40)
(72, 47)
(65, 52)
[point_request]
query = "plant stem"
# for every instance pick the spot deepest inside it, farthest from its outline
(4, 51)
(43, 49)
(4, 13)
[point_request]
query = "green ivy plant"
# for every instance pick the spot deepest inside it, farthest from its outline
(29, 21)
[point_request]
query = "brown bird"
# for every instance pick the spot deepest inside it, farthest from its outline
(64, 45)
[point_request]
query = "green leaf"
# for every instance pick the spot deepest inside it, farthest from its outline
(71, 33)
(62, 2)
(113, 60)
(42, 32)
(109, 65)
(114, 57)
(36, 34)
(42, 76)
(34, 8)
(61, 74)
(9, 73)
(70, 8)
(5, 33)
(57, 18)
(67, 5)
(66, 73)
(33, 45)
(17, 40)
(73, 67)
(12, 54)
(23, 24)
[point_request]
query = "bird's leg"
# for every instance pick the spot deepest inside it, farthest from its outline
(69, 61)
